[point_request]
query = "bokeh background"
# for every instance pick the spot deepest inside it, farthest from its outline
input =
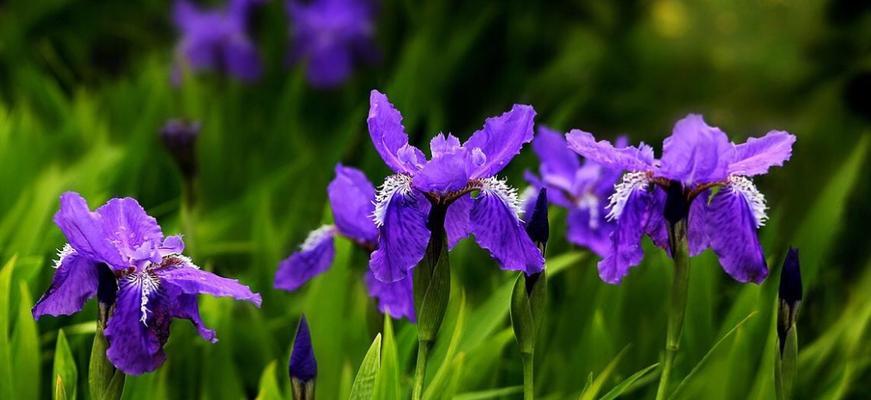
(85, 89)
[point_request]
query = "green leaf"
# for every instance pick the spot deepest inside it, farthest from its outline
(387, 387)
(701, 362)
(269, 389)
(364, 383)
(489, 394)
(527, 308)
(592, 389)
(64, 373)
(622, 386)
(5, 356)
(432, 283)
(25, 347)
(104, 381)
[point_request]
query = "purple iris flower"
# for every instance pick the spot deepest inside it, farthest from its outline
(581, 188)
(445, 184)
(696, 159)
(330, 36)
(155, 283)
(216, 40)
(352, 199)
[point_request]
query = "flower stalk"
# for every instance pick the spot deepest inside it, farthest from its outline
(432, 288)
(677, 302)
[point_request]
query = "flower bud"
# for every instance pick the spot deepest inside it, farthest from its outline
(790, 295)
(303, 366)
(180, 137)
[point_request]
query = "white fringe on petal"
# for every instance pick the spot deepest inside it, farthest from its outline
(317, 236)
(740, 185)
(62, 254)
(631, 182)
(393, 184)
(499, 187)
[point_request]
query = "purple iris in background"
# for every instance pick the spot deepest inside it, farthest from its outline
(330, 36)
(352, 199)
(696, 160)
(215, 40)
(582, 189)
(443, 187)
(155, 283)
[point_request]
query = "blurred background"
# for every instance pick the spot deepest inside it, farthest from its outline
(85, 89)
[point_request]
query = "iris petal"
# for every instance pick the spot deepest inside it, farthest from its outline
(501, 139)
(696, 152)
(497, 228)
(395, 299)
(757, 155)
(387, 133)
(403, 235)
(731, 230)
(74, 282)
(626, 249)
(190, 279)
(85, 231)
(351, 199)
(136, 343)
(314, 258)
(457, 220)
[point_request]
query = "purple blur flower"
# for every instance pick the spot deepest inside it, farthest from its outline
(180, 138)
(155, 282)
(352, 199)
(445, 184)
(215, 40)
(581, 188)
(653, 194)
(330, 36)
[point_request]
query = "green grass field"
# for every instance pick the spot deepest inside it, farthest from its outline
(84, 91)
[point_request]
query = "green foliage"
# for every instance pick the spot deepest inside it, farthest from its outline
(84, 90)
(365, 381)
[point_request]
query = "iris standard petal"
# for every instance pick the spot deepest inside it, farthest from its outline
(589, 231)
(395, 299)
(731, 231)
(558, 163)
(179, 271)
(446, 173)
(172, 245)
(351, 199)
(627, 158)
(443, 145)
(85, 231)
(135, 233)
(497, 228)
(403, 234)
(757, 155)
(501, 139)
(135, 333)
(626, 249)
(457, 220)
(387, 133)
(75, 281)
(314, 257)
(696, 152)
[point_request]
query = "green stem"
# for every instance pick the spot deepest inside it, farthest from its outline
(420, 370)
(678, 302)
(528, 383)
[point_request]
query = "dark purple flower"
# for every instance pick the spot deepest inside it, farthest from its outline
(352, 199)
(155, 282)
(790, 295)
(303, 365)
(330, 36)
(581, 188)
(696, 159)
(215, 40)
(449, 179)
(180, 138)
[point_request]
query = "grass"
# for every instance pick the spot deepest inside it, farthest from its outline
(72, 120)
